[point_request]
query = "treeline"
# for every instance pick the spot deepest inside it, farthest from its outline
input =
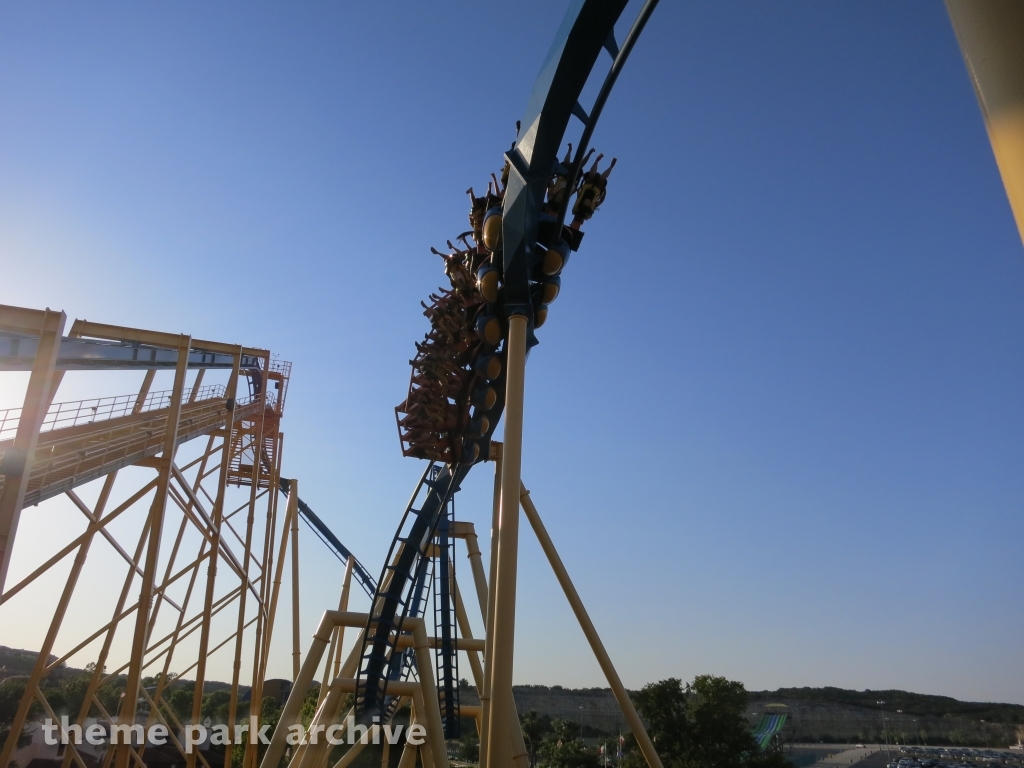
(700, 724)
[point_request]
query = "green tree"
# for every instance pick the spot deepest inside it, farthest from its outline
(11, 691)
(719, 734)
(469, 745)
(564, 730)
(180, 702)
(663, 706)
(309, 704)
(270, 714)
(702, 725)
(110, 696)
(535, 728)
(215, 706)
(568, 754)
(68, 697)
(562, 748)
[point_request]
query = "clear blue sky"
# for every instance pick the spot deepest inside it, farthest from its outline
(775, 421)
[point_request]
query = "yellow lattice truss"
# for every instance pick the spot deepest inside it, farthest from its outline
(151, 542)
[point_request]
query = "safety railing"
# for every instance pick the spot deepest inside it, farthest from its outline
(72, 414)
(284, 369)
(9, 423)
(281, 366)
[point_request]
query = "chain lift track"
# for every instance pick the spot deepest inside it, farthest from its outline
(332, 542)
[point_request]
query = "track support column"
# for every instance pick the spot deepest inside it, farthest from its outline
(156, 520)
(296, 642)
(215, 545)
(291, 510)
(504, 610)
(246, 582)
(485, 594)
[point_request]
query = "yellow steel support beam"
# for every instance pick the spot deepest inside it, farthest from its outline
(156, 519)
(17, 459)
(467, 531)
(262, 646)
(486, 596)
(346, 591)
(291, 510)
(147, 384)
(74, 544)
(466, 632)
(338, 636)
(425, 689)
(211, 568)
(621, 695)
(123, 333)
(257, 447)
(991, 37)
(296, 641)
(503, 643)
(70, 456)
(39, 670)
(97, 675)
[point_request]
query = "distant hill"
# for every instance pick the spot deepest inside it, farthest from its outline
(910, 703)
(17, 663)
(816, 714)
(839, 715)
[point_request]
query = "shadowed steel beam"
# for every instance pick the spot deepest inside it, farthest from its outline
(19, 350)
(991, 37)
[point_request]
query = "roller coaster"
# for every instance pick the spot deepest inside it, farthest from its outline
(193, 474)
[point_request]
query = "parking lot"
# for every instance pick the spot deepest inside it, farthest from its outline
(955, 757)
